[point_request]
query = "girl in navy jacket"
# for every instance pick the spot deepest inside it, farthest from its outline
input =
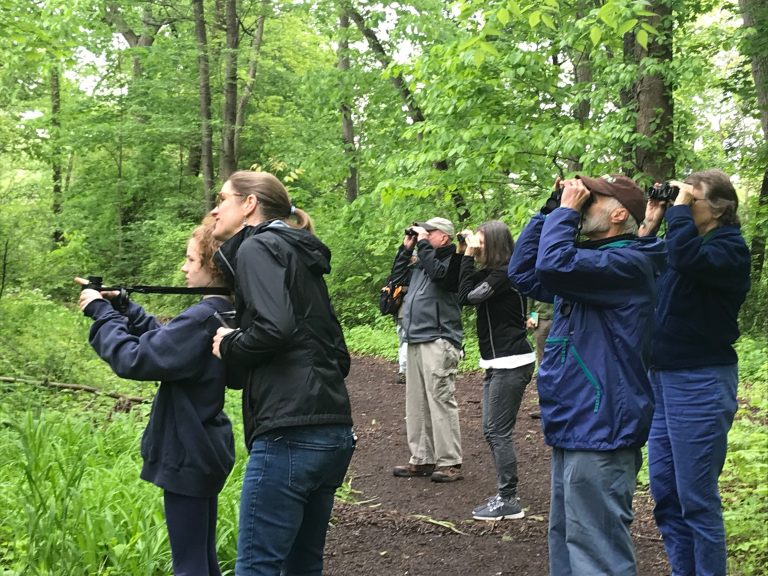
(187, 447)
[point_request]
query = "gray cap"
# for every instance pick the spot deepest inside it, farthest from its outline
(442, 224)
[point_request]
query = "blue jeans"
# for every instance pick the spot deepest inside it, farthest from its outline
(191, 526)
(686, 452)
(591, 511)
(287, 497)
(502, 393)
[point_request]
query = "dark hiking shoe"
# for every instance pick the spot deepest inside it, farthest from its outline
(536, 415)
(400, 378)
(484, 505)
(411, 470)
(447, 474)
(500, 509)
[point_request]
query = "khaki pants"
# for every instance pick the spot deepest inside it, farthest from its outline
(431, 410)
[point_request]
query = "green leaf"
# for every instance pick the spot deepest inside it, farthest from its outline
(649, 28)
(489, 48)
(642, 38)
(503, 16)
(627, 26)
(514, 7)
(608, 14)
(548, 21)
(595, 33)
(534, 19)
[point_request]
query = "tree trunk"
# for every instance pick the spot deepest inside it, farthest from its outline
(347, 127)
(755, 15)
(206, 141)
(654, 100)
(228, 160)
(582, 75)
(627, 96)
(757, 249)
(5, 266)
(146, 38)
(58, 235)
(258, 37)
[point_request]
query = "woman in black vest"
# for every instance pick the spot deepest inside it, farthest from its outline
(505, 354)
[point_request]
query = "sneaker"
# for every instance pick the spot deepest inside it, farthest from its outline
(447, 474)
(411, 470)
(488, 501)
(501, 509)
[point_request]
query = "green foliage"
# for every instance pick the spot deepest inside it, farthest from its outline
(743, 487)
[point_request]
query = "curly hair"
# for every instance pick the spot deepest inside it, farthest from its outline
(207, 246)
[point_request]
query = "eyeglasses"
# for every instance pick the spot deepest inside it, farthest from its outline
(221, 197)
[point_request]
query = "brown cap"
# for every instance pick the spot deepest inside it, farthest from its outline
(622, 188)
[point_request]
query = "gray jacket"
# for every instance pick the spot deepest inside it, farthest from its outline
(431, 304)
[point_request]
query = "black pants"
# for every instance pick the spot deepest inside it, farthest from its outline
(192, 532)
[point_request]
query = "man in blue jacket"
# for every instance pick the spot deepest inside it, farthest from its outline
(595, 397)
(694, 369)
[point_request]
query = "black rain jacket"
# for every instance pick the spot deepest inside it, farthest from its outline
(289, 348)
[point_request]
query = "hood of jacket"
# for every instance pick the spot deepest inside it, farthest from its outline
(313, 253)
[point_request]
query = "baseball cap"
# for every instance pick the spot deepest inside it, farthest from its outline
(624, 189)
(442, 224)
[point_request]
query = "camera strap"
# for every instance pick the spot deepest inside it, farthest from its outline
(144, 289)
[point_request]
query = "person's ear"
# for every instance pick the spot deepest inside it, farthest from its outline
(619, 215)
(250, 204)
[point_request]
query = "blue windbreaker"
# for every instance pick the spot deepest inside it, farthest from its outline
(593, 385)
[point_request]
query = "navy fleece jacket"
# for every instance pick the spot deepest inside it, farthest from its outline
(187, 447)
(700, 293)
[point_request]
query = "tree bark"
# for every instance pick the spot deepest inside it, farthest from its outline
(4, 267)
(755, 15)
(228, 160)
(627, 95)
(654, 100)
(347, 126)
(256, 42)
(58, 234)
(204, 82)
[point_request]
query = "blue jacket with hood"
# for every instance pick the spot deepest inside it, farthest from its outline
(593, 384)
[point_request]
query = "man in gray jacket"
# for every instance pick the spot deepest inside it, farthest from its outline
(432, 325)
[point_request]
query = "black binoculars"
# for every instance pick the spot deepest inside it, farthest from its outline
(664, 192)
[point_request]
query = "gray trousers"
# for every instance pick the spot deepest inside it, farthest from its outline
(502, 393)
(591, 511)
(431, 410)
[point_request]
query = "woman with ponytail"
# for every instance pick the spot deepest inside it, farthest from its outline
(290, 357)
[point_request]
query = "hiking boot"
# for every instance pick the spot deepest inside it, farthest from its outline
(400, 378)
(447, 474)
(500, 509)
(484, 505)
(411, 470)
